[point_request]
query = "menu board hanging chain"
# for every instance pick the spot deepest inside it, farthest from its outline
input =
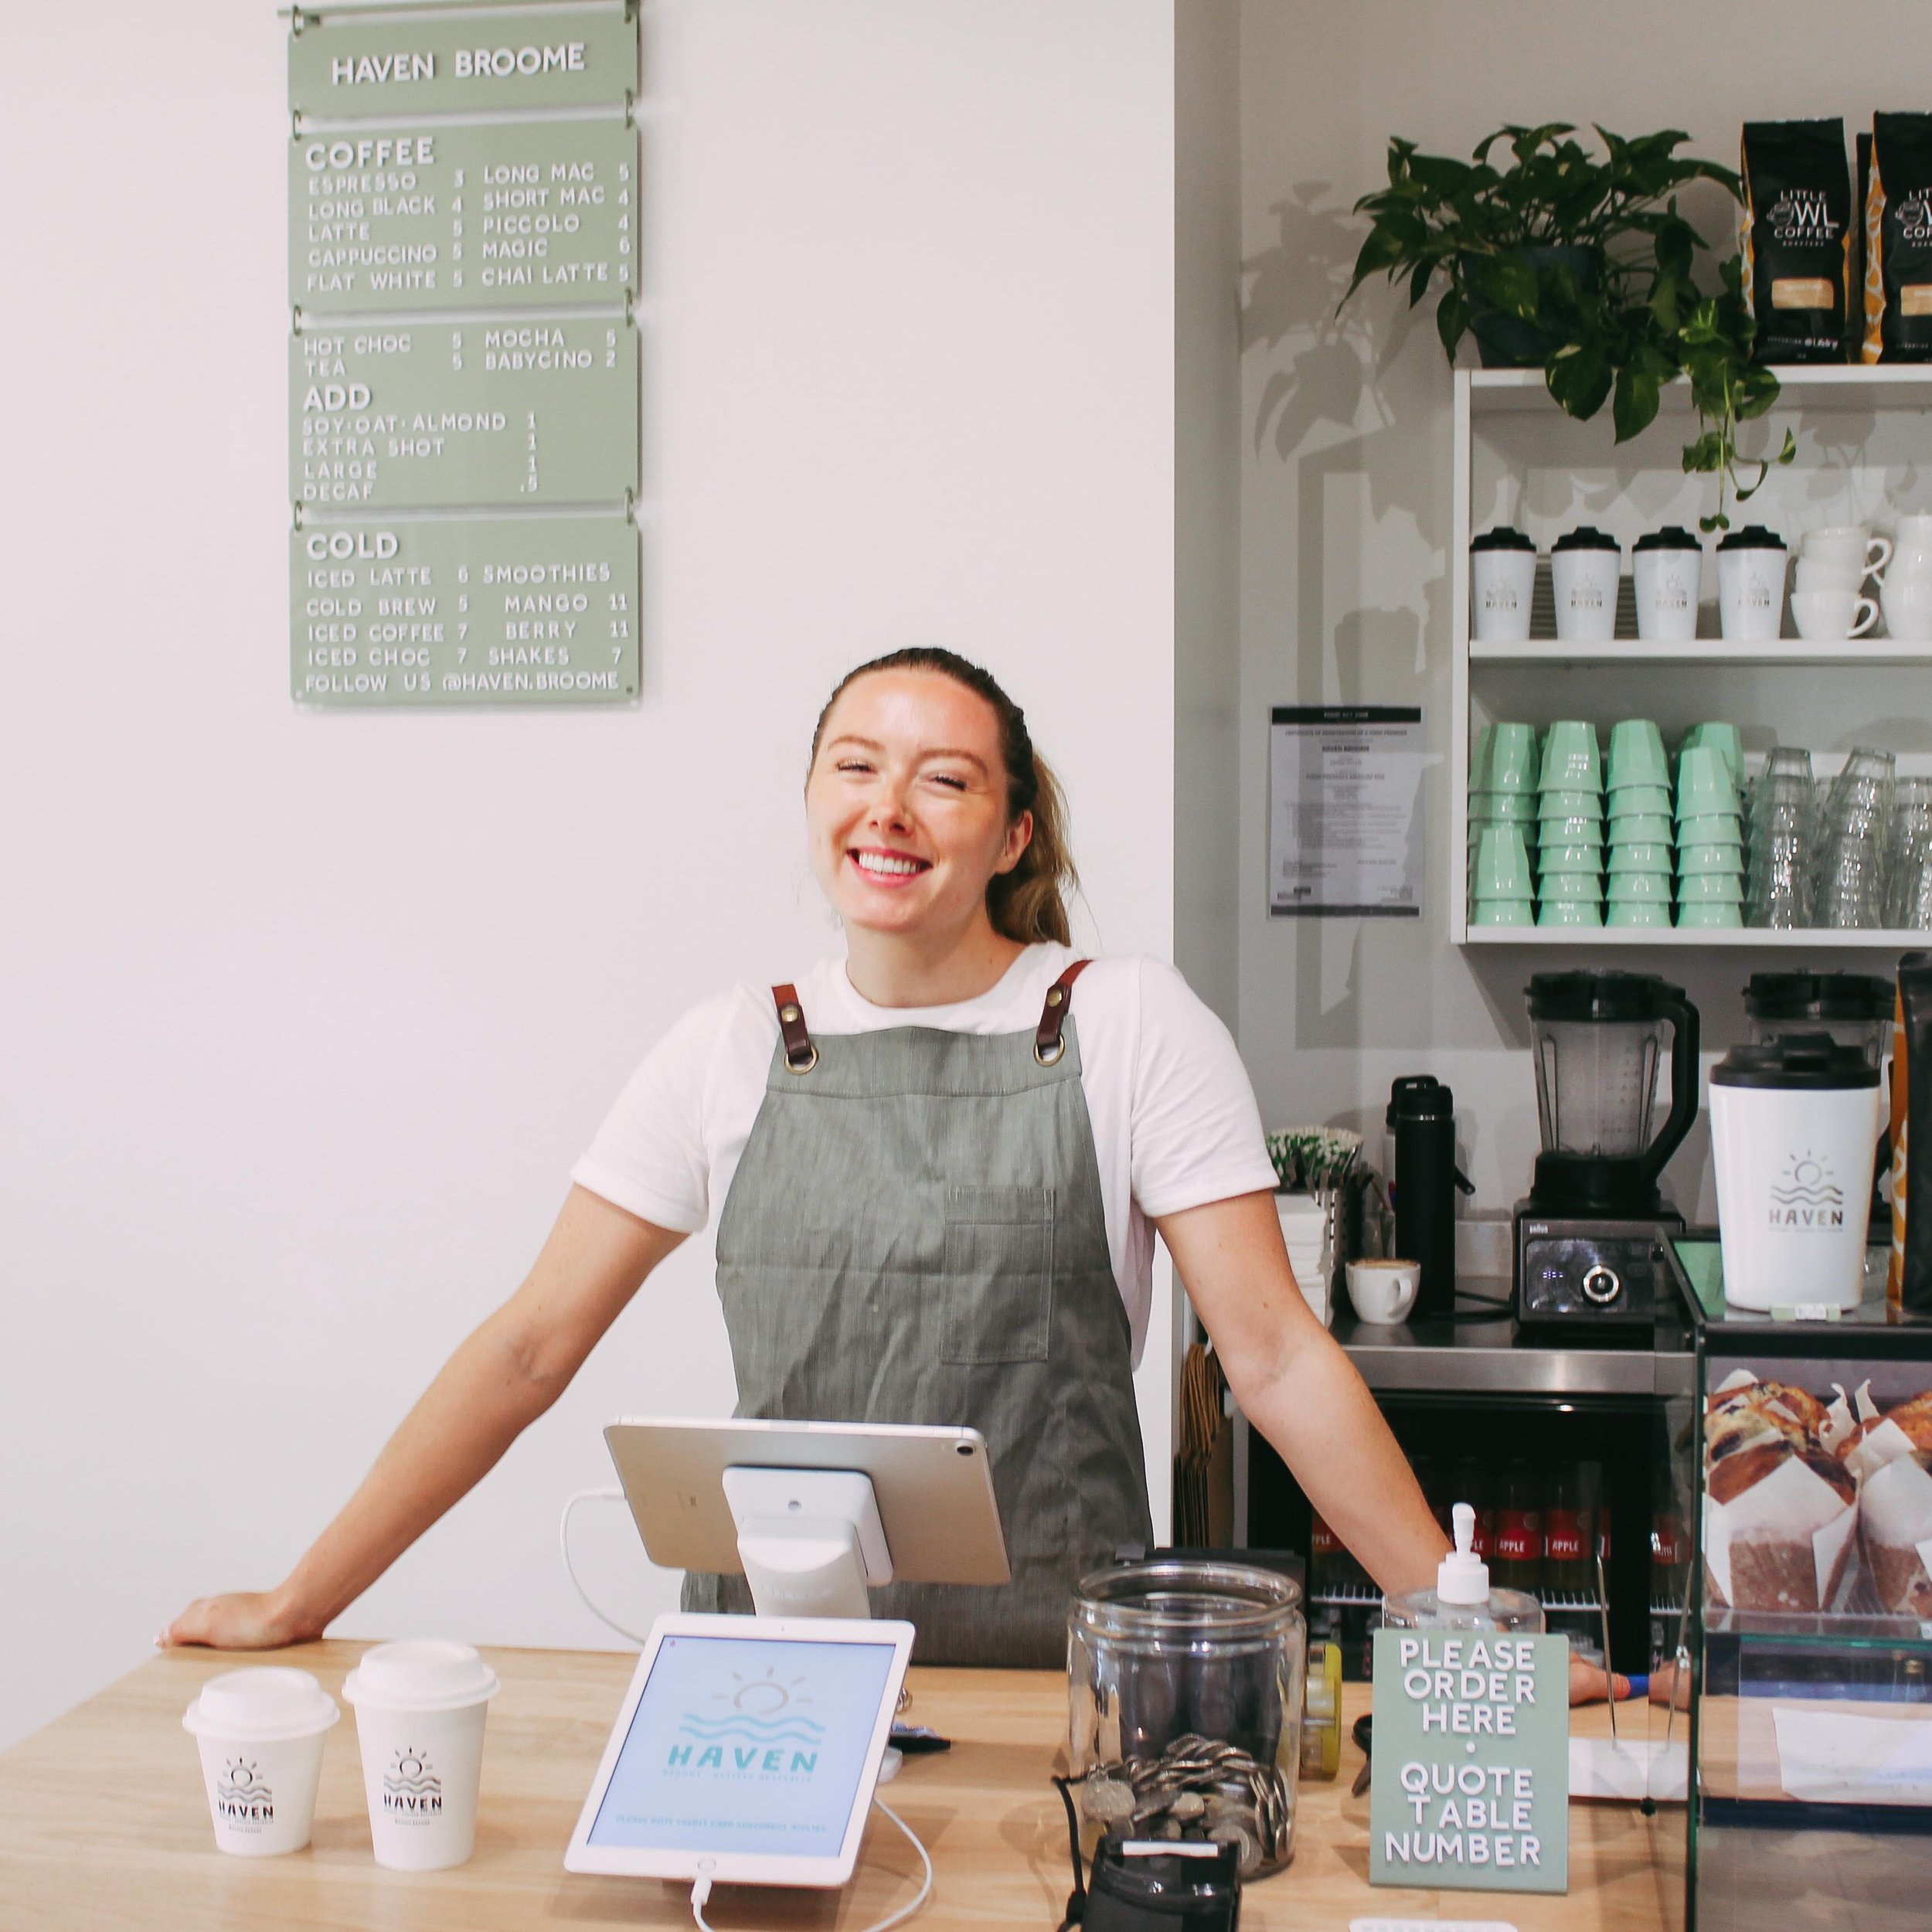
(463, 200)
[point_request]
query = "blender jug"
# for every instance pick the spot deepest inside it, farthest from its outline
(1854, 1008)
(1597, 1039)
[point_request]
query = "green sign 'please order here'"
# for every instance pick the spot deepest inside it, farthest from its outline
(1470, 1789)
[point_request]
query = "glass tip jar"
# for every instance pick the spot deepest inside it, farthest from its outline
(1184, 1684)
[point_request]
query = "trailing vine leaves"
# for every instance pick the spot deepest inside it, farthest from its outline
(1620, 332)
(1715, 346)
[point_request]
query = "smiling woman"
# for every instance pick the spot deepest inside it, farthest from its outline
(937, 1190)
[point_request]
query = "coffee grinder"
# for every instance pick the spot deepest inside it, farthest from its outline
(1588, 1237)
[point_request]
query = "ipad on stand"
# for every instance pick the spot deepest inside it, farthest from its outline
(746, 1751)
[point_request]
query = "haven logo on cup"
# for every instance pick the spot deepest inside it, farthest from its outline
(1806, 1196)
(242, 1796)
(410, 1787)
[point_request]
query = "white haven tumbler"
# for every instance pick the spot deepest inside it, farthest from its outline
(1502, 582)
(260, 1735)
(1794, 1128)
(420, 1708)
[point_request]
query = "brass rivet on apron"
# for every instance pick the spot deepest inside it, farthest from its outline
(801, 1066)
(788, 1014)
(1056, 996)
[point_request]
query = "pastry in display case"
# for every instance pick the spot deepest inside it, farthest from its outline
(1812, 1637)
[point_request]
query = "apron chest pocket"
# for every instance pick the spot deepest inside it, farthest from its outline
(998, 1274)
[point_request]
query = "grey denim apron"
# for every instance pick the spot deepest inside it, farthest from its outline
(915, 1234)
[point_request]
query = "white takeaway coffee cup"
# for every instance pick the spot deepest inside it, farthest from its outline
(420, 1708)
(261, 1734)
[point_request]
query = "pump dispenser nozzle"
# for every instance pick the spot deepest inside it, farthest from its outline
(1462, 1576)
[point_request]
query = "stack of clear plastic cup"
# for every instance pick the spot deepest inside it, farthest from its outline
(1850, 884)
(1640, 843)
(1503, 800)
(1570, 827)
(1779, 826)
(1710, 840)
(1908, 890)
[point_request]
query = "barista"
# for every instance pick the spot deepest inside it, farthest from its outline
(938, 1165)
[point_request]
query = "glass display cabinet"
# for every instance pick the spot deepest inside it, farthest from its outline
(1809, 1634)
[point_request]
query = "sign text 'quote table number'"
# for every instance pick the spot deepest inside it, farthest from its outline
(463, 369)
(1470, 1789)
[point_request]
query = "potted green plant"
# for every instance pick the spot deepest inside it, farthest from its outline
(1582, 266)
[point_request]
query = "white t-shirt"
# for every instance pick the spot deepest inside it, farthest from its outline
(1175, 1121)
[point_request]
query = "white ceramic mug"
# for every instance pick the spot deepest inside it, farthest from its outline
(1907, 602)
(1820, 573)
(1500, 585)
(1383, 1292)
(1750, 593)
(1850, 546)
(1828, 617)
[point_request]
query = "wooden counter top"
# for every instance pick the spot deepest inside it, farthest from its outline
(103, 1826)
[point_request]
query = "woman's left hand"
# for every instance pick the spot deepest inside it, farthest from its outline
(1588, 1683)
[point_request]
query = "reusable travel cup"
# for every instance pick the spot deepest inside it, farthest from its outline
(420, 1708)
(1750, 584)
(1667, 566)
(1794, 1126)
(1637, 757)
(1571, 759)
(1502, 579)
(1585, 568)
(261, 1734)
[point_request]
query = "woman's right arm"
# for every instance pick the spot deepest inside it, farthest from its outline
(498, 1382)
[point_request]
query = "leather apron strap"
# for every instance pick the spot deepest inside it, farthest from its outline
(1048, 1043)
(801, 1055)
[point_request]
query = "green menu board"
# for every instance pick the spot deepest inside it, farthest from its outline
(534, 409)
(349, 65)
(526, 609)
(462, 370)
(514, 215)
(1471, 1781)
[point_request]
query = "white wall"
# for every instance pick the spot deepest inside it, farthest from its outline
(306, 1017)
(1345, 492)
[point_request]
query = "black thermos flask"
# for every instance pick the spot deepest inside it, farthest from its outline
(1422, 1117)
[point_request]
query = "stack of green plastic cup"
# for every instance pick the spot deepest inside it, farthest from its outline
(1503, 802)
(1570, 827)
(1640, 825)
(1710, 830)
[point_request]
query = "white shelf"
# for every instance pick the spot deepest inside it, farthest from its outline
(1819, 386)
(1785, 651)
(1759, 937)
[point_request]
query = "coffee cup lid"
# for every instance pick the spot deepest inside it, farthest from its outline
(1672, 536)
(262, 1705)
(1503, 537)
(1813, 1062)
(420, 1674)
(1754, 536)
(1586, 536)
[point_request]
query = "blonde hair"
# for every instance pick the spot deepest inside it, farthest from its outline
(1028, 903)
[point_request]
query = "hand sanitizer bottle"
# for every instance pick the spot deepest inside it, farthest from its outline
(1462, 1599)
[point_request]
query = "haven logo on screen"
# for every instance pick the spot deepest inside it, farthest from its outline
(758, 1727)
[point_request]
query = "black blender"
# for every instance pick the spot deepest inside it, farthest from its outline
(1588, 1238)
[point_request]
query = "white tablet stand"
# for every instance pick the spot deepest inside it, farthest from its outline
(810, 1539)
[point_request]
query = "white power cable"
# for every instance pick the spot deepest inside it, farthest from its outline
(564, 1543)
(701, 1890)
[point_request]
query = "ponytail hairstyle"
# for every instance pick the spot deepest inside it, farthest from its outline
(1026, 904)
